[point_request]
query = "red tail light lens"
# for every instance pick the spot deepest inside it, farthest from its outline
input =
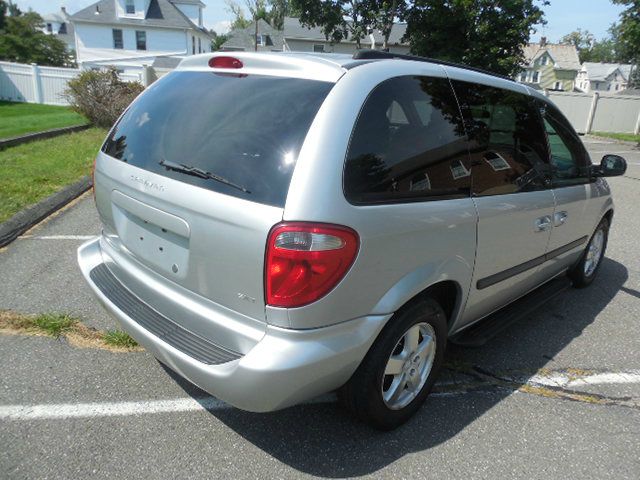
(225, 62)
(305, 261)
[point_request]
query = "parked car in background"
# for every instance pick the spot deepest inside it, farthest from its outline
(278, 226)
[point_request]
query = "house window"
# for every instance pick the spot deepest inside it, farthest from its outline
(264, 40)
(199, 45)
(496, 161)
(557, 86)
(49, 28)
(130, 8)
(193, 45)
(544, 60)
(318, 48)
(597, 85)
(63, 29)
(523, 76)
(117, 39)
(458, 170)
(536, 77)
(420, 182)
(141, 40)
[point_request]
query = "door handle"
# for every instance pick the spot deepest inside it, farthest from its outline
(559, 218)
(543, 224)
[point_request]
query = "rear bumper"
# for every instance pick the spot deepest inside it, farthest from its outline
(284, 368)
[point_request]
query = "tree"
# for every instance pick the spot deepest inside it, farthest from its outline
(489, 34)
(240, 22)
(590, 49)
(279, 10)
(22, 40)
(217, 40)
(382, 15)
(257, 11)
(627, 35)
(338, 19)
(581, 39)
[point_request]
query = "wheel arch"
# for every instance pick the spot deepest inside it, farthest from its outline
(448, 294)
(609, 215)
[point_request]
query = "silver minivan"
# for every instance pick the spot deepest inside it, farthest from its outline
(278, 226)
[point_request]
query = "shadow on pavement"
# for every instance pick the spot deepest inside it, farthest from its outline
(322, 439)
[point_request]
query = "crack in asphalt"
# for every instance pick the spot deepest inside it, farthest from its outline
(492, 382)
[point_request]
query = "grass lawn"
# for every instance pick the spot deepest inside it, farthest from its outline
(33, 171)
(20, 118)
(629, 137)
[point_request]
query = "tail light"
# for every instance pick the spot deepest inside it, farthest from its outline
(304, 261)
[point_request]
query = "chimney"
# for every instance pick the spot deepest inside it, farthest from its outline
(543, 41)
(64, 9)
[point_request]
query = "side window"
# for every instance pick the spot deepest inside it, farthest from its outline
(569, 159)
(507, 140)
(408, 144)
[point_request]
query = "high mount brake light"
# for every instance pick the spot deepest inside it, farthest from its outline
(225, 62)
(305, 261)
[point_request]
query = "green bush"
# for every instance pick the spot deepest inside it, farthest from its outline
(101, 96)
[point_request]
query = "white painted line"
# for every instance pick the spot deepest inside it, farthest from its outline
(112, 409)
(567, 380)
(59, 237)
(188, 404)
(120, 409)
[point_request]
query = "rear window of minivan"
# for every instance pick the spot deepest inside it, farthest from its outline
(246, 130)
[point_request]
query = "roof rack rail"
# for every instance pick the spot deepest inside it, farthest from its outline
(366, 54)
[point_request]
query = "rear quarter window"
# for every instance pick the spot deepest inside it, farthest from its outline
(247, 129)
(408, 144)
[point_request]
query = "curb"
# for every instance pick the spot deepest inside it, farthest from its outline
(12, 142)
(613, 140)
(30, 216)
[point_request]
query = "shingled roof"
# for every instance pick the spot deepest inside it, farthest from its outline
(564, 56)
(602, 71)
(161, 13)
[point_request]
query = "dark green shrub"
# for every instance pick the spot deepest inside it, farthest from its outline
(101, 96)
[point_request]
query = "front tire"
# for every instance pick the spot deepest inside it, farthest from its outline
(398, 372)
(585, 271)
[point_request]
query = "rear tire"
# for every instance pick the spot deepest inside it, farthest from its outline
(585, 271)
(398, 372)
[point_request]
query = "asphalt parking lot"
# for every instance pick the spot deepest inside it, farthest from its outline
(556, 395)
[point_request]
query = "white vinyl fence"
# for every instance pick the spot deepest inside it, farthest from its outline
(35, 84)
(587, 112)
(596, 112)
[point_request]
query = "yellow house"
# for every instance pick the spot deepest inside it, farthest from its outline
(550, 66)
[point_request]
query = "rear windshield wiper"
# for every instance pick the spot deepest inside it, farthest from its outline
(198, 172)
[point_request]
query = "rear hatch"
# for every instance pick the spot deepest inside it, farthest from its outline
(196, 172)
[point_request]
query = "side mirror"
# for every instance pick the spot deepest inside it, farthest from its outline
(610, 166)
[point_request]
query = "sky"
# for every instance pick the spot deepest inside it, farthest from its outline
(563, 16)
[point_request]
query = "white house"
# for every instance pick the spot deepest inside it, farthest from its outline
(58, 24)
(130, 33)
(603, 77)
